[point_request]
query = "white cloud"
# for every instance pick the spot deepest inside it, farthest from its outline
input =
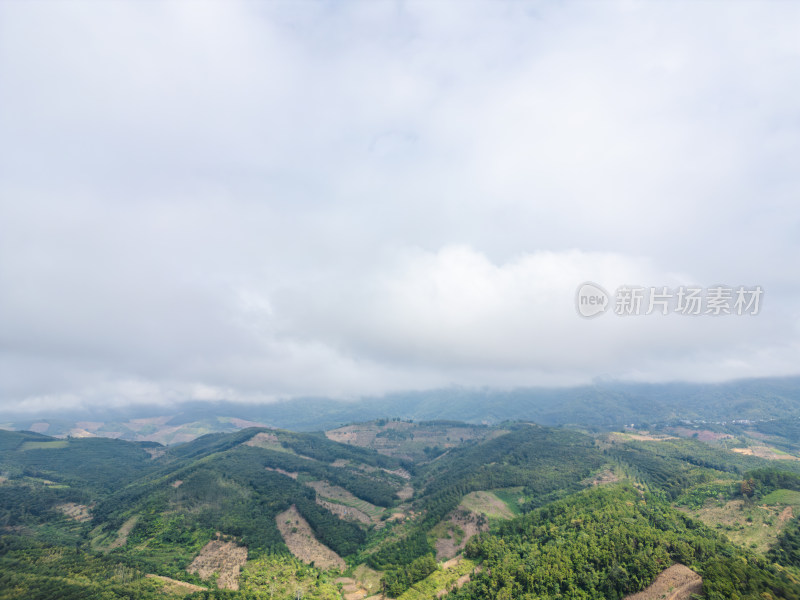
(256, 200)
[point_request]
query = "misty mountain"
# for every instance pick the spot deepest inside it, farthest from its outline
(601, 406)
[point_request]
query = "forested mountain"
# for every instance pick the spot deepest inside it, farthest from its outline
(609, 542)
(523, 511)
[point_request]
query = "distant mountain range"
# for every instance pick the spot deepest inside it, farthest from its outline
(597, 407)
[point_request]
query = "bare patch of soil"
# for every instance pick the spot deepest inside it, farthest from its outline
(300, 539)
(605, 477)
(652, 438)
(351, 589)
(243, 423)
(223, 557)
(731, 518)
(282, 472)
(460, 528)
(367, 579)
(334, 494)
(348, 513)
(764, 452)
(786, 515)
(644, 436)
(123, 533)
(461, 580)
(177, 483)
(80, 433)
(488, 504)
(405, 492)
(77, 512)
(400, 472)
(17, 529)
(745, 451)
(704, 435)
(262, 439)
(173, 586)
(451, 563)
(406, 440)
(155, 452)
(678, 582)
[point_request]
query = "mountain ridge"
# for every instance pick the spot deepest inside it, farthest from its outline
(600, 406)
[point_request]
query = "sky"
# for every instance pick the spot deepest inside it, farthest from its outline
(258, 200)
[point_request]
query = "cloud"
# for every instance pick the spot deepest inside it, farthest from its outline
(457, 311)
(254, 201)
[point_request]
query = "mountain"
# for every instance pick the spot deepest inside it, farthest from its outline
(599, 407)
(512, 511)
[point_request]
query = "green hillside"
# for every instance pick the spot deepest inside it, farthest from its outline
(277, 513)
